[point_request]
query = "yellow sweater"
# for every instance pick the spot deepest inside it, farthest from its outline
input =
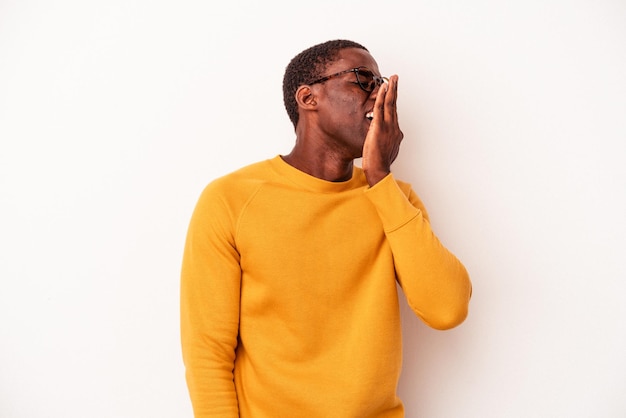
(288, 293)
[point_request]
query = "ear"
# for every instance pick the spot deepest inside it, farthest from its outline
(305, 98)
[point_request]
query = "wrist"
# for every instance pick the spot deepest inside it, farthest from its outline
(375, 176)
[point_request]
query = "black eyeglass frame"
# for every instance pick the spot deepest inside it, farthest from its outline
(378, 81)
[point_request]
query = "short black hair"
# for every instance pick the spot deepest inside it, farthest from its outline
(307, 66)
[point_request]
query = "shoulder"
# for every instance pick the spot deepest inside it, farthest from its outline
(235, 188)
(245, 177)
(413, 197)
(406, 187)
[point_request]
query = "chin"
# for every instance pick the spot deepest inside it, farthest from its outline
(358, 156)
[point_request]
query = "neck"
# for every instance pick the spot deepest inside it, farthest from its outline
(314, 158)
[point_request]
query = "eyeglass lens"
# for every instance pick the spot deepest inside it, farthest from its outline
(367, 80)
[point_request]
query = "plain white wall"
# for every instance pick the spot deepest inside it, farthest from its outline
(114, 115)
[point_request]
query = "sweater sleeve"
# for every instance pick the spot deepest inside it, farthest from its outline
(435, 283)
(209, 308)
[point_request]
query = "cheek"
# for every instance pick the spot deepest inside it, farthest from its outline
(347, 105)
(352, 111)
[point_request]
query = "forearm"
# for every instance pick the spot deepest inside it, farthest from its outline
(209, 366)
(435, 283)
(209, 312)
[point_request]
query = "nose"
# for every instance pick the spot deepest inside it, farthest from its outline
(378, 83)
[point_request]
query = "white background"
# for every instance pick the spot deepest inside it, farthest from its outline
(114, 115)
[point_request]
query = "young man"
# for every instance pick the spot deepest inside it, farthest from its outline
(288, 299)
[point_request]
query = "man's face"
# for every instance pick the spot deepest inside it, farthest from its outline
(343, 106)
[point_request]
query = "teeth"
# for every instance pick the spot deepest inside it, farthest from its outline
(369, 115)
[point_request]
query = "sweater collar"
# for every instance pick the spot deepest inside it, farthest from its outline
(312, 183)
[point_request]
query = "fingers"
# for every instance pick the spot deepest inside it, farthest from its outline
(385, 104)
(379, 104)
(382, 142)
(390, 110)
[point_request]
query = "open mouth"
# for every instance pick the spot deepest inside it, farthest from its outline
(369, 115)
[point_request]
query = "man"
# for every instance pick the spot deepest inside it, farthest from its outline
(288, 299)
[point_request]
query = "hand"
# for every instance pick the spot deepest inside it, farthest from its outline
(382, 142)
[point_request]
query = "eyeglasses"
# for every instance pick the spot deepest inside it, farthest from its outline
(364, 76)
